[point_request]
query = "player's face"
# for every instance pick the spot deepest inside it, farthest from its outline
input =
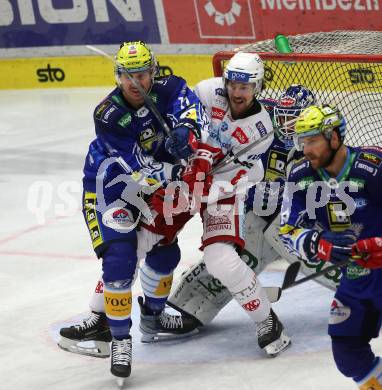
(130, 91)
(240, 96)
(317, 150)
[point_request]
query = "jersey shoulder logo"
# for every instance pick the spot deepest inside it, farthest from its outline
(370, 158)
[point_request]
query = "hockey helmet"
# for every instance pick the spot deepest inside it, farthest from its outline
(316, 120)
(289, 106)
(245, 68)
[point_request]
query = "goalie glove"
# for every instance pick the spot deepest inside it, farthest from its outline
(370, 251)
(329, 246)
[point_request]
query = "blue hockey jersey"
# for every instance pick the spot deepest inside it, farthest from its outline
(136, 136)
(353, 202)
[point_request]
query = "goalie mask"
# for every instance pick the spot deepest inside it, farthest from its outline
(133, 57)
(289, 106)
(245, 68)
(316, 120)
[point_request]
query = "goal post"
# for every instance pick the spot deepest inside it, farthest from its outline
(341, 68)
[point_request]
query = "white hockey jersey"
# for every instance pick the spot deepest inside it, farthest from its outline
(233, 135)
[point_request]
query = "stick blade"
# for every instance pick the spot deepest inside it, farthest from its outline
(291, 275)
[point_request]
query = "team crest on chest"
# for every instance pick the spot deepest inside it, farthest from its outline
(149, 139)
(338, 216)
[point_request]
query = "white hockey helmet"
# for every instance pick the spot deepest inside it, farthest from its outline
(245, 68)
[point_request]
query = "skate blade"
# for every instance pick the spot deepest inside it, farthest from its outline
(159, 337)
(279, 345)
(120, 382)
(99, 349)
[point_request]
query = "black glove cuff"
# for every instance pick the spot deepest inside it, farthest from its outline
(310, 244)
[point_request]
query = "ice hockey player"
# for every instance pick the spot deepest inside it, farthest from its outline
(201, 295)
(98, 327)
(237, 120)
(130, 147)
(350, 179)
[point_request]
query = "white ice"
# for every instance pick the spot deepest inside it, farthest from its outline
(48, 271)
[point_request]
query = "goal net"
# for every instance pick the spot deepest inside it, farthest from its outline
(343, 68)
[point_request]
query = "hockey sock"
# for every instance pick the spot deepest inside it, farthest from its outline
(97, 300)
(224, 263)
(373, 380)
(118, 302)
(156, 288)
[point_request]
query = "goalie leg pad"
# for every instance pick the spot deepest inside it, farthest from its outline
(199, 294)
(257, 253)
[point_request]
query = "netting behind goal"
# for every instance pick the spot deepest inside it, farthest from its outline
(343, 68)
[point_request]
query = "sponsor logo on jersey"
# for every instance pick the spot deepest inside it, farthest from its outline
(107, 113)
(355, 271)
(305, 182)
(276, 165)
(338, 216)
(238, 76)
(366, 168)
(261, 128)
(220, 92)
(360, 203)
(338, 312)
(300, 166)
(217, 113)
(240, 136)
(252, 305)
(360, 183)
(125, 120)
(118, 218)
(218, 223)
(102, 108)
(370, 158)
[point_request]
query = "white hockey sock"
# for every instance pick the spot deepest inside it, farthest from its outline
(224, 263)
(97, 303)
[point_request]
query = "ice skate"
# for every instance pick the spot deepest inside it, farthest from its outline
(121, 360)
(91, 337)
(164, 326)
(271, 336)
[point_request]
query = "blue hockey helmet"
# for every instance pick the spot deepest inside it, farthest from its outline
(289, 106)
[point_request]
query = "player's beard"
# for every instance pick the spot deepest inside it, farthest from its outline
(318, 161)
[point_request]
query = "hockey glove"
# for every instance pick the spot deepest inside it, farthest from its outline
(182, 142)
(199, 165)
(370, 250)
(329, 246)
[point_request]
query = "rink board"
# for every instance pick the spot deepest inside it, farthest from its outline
(90, 71)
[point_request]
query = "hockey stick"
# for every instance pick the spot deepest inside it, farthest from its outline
(294, 268)
(228, 159)
(149, 103)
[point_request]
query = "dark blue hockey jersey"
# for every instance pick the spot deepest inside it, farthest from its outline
(353, 201)
(136, 136)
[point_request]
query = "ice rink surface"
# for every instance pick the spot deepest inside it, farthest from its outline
(48, 271)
